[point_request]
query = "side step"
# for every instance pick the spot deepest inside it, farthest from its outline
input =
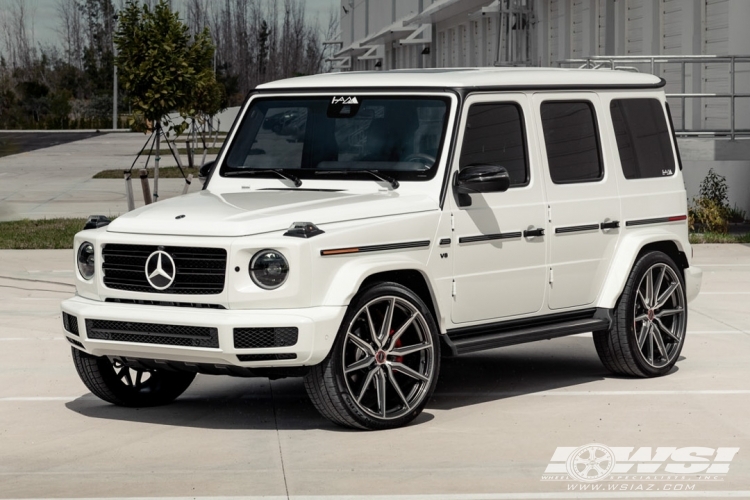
(478, 338)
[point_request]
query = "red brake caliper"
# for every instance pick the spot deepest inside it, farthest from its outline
(399, 359)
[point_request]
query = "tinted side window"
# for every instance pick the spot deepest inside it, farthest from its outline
(643, 138)
(572, 141)
(494, 135)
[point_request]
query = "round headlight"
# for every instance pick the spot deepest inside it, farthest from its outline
(86, 260)
(269, 269)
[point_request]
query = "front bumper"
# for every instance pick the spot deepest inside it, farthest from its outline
(693, 279)
(317, 328)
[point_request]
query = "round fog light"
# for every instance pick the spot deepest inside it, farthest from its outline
(86, 260)
(269, 269)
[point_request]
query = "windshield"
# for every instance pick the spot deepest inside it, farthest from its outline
(400, 136)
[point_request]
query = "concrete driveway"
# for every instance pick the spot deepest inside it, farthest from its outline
(57, 181)
(490, 431)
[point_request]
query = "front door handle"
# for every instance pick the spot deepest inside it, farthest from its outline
(530, 233)
(613, 224)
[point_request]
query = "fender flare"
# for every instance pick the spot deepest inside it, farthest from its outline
(350, 276)
(624, 259)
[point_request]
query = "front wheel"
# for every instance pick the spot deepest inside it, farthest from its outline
(384, 364)
(122, 385)
(650, 320)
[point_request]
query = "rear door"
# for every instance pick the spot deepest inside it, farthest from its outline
(583, 208)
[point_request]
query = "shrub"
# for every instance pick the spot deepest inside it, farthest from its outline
(708, 214)
(736, 214)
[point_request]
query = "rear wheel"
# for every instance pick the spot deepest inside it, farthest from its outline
(650, 320)
(384, 364)
(122, 385)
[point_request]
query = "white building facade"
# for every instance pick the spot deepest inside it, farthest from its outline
(709, 95)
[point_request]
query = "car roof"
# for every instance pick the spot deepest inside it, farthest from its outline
(475, 78)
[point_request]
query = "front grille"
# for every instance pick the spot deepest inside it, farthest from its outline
(199, 271)
(147, 333)
(265, 357)
(70, 323)
(165, 303)
(75, 342)
(249, 338)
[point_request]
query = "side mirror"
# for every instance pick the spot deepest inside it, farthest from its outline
(206, 169)
(482, 179)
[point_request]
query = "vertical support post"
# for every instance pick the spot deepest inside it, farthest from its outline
(731, 91)
(156, 160)
(114, 79)
(146, 188)
(188, 181)
(189, 150)
(129, 191)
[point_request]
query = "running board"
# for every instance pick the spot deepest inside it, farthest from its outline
(507, 333)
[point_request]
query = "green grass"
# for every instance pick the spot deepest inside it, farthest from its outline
(39, 234)
(164, 173)
(198, 153)
(697, 238)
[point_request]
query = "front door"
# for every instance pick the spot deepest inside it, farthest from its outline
(499, 264)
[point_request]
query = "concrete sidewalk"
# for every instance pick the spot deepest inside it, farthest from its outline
(57, 181)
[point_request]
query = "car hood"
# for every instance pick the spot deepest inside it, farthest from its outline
(254, 212)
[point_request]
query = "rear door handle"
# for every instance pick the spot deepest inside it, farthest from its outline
(613, 224)
(530, 233)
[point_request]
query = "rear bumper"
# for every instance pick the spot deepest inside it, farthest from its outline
(317, 327)
(693, 279)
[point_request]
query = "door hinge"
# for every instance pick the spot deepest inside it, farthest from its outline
(551, 276)
(549, 213)
(453, 289)
(453, 225)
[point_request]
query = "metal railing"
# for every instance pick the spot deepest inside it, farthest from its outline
(656, 64)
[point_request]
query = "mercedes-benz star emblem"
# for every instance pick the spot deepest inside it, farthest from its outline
(160, 270)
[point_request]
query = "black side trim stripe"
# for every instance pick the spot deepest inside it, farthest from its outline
(445, 241)
(375, 248)
(658, 220)
(489, 237)
(575, 229)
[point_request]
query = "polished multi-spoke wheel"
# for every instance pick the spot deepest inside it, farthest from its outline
(649, 323)
(659, 315)
(120, 384)
(388, 357)
(384, 364)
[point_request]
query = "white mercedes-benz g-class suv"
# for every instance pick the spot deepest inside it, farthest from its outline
(358, 226)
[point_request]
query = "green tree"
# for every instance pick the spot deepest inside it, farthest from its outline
(161, 66)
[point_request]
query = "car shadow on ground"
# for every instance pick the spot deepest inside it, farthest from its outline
(237, 403)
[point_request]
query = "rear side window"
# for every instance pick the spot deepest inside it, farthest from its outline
(495, 136)
(643, 138)
(572, 141)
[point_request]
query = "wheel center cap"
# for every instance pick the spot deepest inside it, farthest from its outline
(651, 315)
(380, 357)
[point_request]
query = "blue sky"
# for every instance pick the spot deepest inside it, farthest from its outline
(45, 20)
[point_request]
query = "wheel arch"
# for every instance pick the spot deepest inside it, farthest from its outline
(356, 276)
(627, 255)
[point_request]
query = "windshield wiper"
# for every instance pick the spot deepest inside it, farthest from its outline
(280, 172)
(375, 173)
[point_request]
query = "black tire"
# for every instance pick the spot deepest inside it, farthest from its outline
(108, 380)
(636, 316)
(347, 398)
